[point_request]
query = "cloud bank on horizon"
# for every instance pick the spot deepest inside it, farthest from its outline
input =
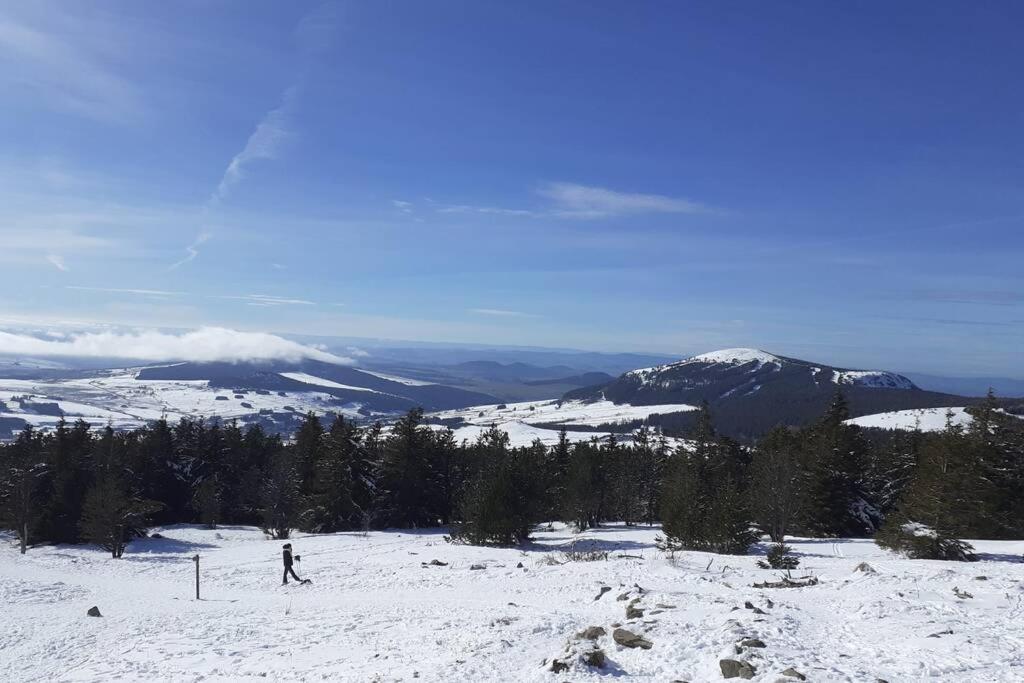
(206, 344)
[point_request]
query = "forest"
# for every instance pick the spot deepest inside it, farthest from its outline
(918, 493)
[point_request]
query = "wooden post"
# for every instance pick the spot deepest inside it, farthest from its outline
(196, 560)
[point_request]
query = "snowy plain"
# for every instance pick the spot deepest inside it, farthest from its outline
(377, 610)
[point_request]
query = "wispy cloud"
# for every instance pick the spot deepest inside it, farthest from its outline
(57, 261)
(583, 201)
(500, 312)
(494, 210)
(207, 344)
(263, 143)
(192, 250)
(989, 297)
(268, 300)
(572, 200)
(118, 290)
(63, 63)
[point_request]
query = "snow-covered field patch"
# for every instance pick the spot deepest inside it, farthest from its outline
(542, 420)
(925, 419)
(378, 610)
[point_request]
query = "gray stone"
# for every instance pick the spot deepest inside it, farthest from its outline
(752, 642)
(629, 639)
(603, 590)
(793, 673)
(475, 567)
(94, 612)
(865, 568)
(734, 668)
(592, 633)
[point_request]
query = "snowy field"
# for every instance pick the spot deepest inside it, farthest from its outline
(531, 420)
(925, 419)
(378, 611)
(125, 402)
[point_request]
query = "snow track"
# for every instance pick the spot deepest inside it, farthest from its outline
(375, 612)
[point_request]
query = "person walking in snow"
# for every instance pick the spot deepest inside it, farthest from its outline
(287, 556)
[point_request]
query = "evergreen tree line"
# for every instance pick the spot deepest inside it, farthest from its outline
(919, 492)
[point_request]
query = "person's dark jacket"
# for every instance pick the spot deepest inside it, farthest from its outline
(287, 557)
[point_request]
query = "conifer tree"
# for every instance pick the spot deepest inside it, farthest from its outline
(114, 513)
(776, 491)
(280, 496)
(836, 462)
(22, 471)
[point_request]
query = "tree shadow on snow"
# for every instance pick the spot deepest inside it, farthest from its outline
(164, 546)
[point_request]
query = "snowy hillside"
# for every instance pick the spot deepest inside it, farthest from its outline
(531, 420)
(927, 420)
(378, 610)
(124, 401)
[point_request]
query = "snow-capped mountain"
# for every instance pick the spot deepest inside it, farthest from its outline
(751, 390)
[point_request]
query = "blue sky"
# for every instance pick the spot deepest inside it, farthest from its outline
(840, 182)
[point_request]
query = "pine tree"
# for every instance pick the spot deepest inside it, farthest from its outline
(837, 503)
(704, 507)
(503, 501)
(68, 452)
(113, 513)
(331, 505)
(405, 474)
(207, 502)
(946, 500)
(280, 496)
(22, 472)
(777, 483)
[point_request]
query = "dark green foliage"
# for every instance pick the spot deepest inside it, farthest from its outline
(20, 486)
(503, 502)
(777, 489)
(74, 485)
(704, 505)
(779, 557)
(280, 496)
(113, 512)
(836, 465)
(207, 502)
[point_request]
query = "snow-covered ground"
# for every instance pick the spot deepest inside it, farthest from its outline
(530, 420)
(376, 612)
(925, 419)
(126, 402)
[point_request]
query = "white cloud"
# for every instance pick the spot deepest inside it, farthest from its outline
(206, 344)
(192, 250)
(57, 261)
(500, 312)
(582, 201)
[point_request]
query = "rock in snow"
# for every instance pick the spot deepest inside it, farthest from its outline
(629, 639)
